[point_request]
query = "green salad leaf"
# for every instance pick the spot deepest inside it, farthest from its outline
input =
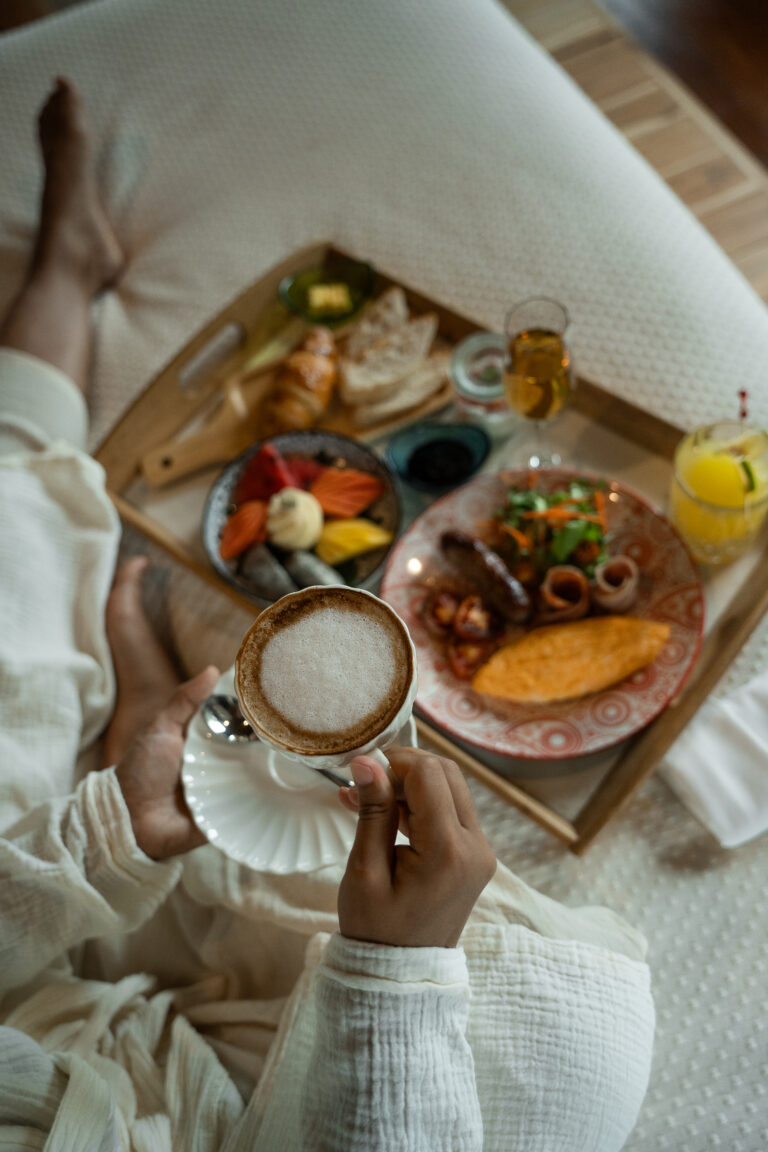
(554, 540)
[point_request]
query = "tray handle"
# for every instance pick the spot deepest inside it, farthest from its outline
(218, 347)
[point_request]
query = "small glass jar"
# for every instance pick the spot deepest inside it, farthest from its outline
(477, 371)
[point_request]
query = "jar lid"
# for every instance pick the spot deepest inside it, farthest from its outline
(477, 367)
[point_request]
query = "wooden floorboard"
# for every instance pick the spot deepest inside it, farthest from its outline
(722, 183)
(717, 48)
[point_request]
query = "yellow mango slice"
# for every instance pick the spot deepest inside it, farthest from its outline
(340, 540)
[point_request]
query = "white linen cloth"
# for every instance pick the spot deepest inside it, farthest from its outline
(535, 1035)
(718, 766)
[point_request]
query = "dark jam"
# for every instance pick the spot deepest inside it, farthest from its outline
(440, 462)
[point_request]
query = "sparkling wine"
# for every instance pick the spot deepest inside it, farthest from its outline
(538, 377)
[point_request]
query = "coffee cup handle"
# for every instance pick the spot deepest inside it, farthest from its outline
(379, 756)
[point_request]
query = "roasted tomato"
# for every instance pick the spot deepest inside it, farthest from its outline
(466, 656)
(585, 553)
(439, 612)
(473, 619)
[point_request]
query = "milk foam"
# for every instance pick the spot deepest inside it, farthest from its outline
(328, 671)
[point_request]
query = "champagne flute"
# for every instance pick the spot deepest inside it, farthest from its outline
(538, 369)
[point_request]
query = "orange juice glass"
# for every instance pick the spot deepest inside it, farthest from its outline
(719, 494)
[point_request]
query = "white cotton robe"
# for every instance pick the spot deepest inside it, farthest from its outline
(196, 1005)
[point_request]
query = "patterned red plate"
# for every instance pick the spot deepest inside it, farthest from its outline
(671, 591)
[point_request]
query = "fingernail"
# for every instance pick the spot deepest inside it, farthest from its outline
(362, 772)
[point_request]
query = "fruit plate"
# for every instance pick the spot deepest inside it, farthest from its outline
(328, 448)
(670, 592)
(264, 810)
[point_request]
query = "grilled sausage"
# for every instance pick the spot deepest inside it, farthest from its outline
(488, 574)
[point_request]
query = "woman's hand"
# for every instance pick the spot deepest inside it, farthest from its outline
(149, 775)
(417, 895)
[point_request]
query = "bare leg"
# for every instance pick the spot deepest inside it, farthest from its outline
(146, 679)
(76, 253)
(76, 256)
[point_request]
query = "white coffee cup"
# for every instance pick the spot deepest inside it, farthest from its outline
(268, 622)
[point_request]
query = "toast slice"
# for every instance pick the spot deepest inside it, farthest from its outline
(387, 361)
(427, 379)
(386, 314)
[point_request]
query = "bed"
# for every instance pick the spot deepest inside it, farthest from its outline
(438, 141)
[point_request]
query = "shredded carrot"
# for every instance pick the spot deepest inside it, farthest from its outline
(600, 506)
(518, 536)
(561, 514)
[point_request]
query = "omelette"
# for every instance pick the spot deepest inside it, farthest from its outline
(566, 661)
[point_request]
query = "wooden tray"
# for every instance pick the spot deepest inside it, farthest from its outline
(252, 329)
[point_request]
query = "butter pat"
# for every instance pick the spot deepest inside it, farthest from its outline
(327, 299)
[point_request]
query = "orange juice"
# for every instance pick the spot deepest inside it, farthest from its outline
(719, 493)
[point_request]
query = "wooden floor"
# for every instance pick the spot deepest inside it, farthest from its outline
(721, 182)
(719, 48)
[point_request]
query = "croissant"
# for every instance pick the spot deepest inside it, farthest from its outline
(303, 385)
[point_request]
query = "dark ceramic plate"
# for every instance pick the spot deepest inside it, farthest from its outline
(329, 448)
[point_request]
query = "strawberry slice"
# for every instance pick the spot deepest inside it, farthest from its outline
(245, 527)
(268, 472)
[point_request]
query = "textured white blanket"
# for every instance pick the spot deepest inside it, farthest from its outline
(434, 139)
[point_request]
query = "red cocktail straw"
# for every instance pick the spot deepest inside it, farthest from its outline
(742, 403)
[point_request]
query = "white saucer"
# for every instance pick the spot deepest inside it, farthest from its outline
(265, 811)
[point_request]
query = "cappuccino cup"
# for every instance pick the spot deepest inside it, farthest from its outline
(327, 674)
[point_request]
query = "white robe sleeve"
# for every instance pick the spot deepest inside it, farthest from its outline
(391, 1068)
(70, 870)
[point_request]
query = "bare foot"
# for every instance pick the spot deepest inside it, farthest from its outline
(146, 679)
(74, 231)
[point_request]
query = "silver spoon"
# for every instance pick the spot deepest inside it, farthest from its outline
(222, 717)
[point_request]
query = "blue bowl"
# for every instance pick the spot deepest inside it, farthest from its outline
(438, 457)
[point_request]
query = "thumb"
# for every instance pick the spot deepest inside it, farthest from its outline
(188, 697)
(377, 817)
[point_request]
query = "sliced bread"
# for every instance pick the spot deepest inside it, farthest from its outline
(390, 311)
(387, 361)
(427, 379)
